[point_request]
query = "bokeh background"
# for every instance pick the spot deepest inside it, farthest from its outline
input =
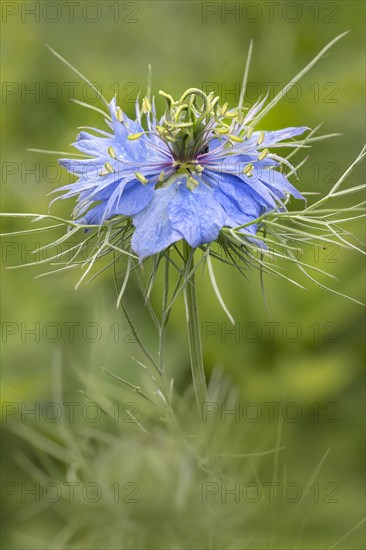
(315, 358)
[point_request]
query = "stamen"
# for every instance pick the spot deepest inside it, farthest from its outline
(260, 138)
(224, 108)
(236, 138)
(199, 168)
(249, 132)
(111, 152)
(192, 183)
(248, 169)
(132, 137)
(109, 167)
(162, 176)
(119, 114)
(141, 177)
(146, 105)
(160, 129)
(263, 154)
(232, 114)
(222, 130)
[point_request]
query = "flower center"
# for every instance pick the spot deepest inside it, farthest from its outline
(187, 128)
(184, 125)
(181, 165)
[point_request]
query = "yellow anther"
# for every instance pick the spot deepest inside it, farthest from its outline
(103, 173)
(222, 130)
(224, 108)
(162, 176)
(146, 105)
(119, 114)
(109, 167)
(236, 138)
(111, 152)
(160, 129)
(260, 138)
(248, 169)
(199, 168)
(263, 154)
(249, 133)
(141, 177)
(232, 114)
(192, 183)
(132, 137)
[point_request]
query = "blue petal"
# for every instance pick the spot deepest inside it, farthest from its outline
(131, 150)
(93, 145)
(196, 214)
(91, 187)
(236, 163)
(271, 138)
(235, 214)
(278, 182)
(85, 167)
(214, 143)
(94, 216)
(153, 230)
(134, 198)
(244, 193)
(260, 188)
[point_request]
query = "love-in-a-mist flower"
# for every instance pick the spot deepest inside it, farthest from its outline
(186, 175)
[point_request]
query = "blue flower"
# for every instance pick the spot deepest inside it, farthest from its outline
(197, 169)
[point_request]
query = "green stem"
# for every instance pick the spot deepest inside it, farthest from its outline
(194, 334)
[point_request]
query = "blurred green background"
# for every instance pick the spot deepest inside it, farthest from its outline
(315, 357)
